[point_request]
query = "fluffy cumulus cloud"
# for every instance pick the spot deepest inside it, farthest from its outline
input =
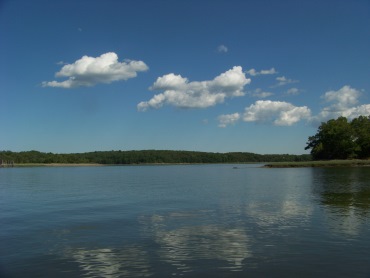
(89, 71)
(354, 112)
(343, 98)
(179, 92)
(253, 72)
(343, 102)
(228, 119)
(279, 112)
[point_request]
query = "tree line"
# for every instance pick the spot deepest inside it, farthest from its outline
(335, 139)
(147, 157)
(341, 139)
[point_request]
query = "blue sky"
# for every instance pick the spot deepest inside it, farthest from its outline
(219, 76)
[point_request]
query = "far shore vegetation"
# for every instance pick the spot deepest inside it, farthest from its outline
(341, 139)
(321, 163)
(36, 158)
(338, 142)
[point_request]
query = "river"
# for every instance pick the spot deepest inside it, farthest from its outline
(184, 220)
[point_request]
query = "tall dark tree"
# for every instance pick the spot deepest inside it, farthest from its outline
(361, 129)
(340, 139)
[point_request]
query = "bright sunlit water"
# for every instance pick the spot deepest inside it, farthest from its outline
(184, 220)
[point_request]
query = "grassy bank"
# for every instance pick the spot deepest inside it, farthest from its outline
(326, 163)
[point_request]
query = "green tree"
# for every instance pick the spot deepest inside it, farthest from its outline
(361, 129)
(335, 139)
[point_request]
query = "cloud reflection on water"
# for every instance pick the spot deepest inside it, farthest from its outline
(112, 263)
(238, 232)
(288, 214)
(182, 245)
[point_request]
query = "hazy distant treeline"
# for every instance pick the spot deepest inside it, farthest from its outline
(146, 156)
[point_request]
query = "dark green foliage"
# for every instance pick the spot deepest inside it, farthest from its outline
(341, 139)
(361, 129)
(147, 157)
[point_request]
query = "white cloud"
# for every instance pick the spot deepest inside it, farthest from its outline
(253, 72)
(270, 71)
(293, 91)
(89, 71)
(179, 92)
(280, 113)
(342, 103)
(354, 112)
(343, 98)
(261, 94)
(228, 119)
(222, 49)
(284, 81)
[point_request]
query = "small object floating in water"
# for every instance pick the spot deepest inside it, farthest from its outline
(235, 167)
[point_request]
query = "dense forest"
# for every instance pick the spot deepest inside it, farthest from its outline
(147, 157)
(341, 139)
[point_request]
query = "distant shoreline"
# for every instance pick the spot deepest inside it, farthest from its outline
(56, 164)
(305, 164)
(8, 158)
(315, 164)
(101, 165)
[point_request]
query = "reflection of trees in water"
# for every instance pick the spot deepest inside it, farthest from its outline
(345, 195)
(344, 188)
(348, 200)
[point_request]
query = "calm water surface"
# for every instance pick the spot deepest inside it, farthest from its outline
(184, 220)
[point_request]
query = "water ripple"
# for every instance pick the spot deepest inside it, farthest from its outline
(112, 263)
